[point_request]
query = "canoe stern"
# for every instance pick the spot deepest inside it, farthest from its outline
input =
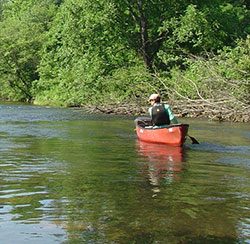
(174, 135)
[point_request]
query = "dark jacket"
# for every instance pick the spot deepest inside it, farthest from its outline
(159, 115)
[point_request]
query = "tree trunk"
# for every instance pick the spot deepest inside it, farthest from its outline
(145, 43)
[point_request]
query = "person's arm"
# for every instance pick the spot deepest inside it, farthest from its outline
(174, 120)
(172, 117)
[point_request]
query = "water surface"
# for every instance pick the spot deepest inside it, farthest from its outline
(70, 177)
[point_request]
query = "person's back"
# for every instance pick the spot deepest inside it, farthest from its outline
(159, 115)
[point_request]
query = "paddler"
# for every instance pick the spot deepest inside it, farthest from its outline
(161, 113)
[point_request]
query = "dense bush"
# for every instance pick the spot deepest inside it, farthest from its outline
(76, 52)
(225, 76)
(22, 28)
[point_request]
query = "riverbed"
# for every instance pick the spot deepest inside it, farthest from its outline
(67, 176)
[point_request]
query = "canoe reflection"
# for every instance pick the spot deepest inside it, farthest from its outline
(164, 162)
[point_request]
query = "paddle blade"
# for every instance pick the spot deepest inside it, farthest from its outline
(194, 141)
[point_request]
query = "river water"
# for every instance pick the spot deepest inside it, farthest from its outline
(70, 177)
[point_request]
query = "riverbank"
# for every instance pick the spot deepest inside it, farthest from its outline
(216, 111)
(204, 109)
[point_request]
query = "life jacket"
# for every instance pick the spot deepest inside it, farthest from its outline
(159, 115)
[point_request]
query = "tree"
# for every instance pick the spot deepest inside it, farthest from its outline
(140, 21)
(73, 52)
(21, 36)
(201, 30)
(84, 47)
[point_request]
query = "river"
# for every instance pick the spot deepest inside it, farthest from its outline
(70, 177)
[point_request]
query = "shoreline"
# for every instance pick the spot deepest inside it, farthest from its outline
(201, 109)
(180, 109)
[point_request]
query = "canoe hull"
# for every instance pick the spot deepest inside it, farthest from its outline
(173, 135)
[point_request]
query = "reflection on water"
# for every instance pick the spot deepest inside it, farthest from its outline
(68, 177)
(164, 162)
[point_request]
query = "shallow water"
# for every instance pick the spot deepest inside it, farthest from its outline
(70, 177)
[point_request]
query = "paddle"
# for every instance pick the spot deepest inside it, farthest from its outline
(194, 141)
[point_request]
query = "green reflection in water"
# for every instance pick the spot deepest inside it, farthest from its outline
(95, 181)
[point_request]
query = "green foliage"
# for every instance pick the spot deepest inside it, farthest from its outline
(234, 65)
(75, 52)
(226, 76)
(82, 52)
(200, 30)
(126, 85)
(21, 37)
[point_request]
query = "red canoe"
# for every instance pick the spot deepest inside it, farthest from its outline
(173, 135)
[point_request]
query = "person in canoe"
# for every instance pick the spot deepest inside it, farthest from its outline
(161, 113)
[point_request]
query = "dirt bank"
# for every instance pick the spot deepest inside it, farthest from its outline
(212, 110)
